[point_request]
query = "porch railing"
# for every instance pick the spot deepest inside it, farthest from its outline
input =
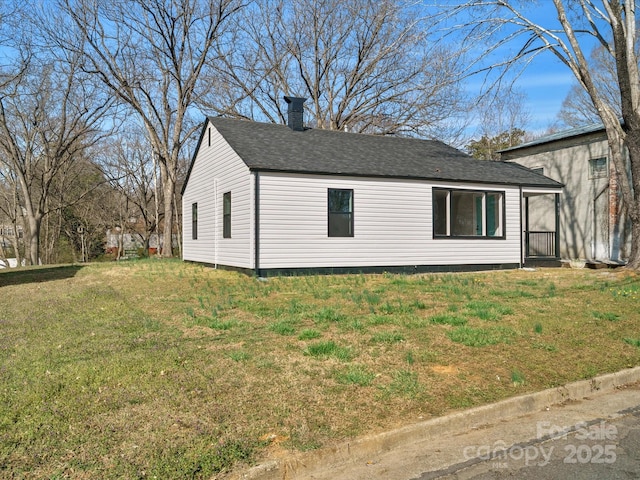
(540, 244)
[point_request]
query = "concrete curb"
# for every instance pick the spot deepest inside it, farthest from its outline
(302, 465)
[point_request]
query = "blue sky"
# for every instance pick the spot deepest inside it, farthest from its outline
(546, 82)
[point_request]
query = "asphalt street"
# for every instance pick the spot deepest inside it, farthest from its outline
(597, 437)
(594, 450)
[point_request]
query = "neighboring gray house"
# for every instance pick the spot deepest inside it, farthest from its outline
(276, 199)
(593, 225)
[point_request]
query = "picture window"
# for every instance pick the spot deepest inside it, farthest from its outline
(468, 213)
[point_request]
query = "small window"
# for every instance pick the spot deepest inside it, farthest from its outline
(598, 168)
(226, 215)
(468, 213)
(194, 221)
(340, 212)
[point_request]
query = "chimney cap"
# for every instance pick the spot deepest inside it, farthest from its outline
(294, 101)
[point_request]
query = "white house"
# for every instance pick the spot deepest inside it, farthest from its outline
(593, 224)
(277, 199)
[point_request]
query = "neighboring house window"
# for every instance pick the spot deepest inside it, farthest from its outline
(468, 213)
(226, 215)
(598, 168)
(340, 212)
(194, 221)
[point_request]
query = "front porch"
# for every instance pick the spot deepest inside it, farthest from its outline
(541, 235)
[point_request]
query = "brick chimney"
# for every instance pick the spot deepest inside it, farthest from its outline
(295, 111)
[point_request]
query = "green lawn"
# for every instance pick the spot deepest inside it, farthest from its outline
(156, 368)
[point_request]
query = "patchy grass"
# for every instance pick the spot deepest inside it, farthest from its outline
(155, 368)
(517, 378)
(404, 383)
(283, 327)
(448, 319)
(387, 337)
(309, 334)
(329, 349)
(481, 337)
(609, 316)
(355, 375)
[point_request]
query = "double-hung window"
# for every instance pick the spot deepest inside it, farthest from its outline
(468, 213)
(598, 167)
(226, 215)
(340, 208)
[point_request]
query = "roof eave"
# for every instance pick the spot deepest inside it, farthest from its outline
(570, 134)
(193, 157)
(404, 177)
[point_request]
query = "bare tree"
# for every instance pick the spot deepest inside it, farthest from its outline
(49, 118)
(610, 23)
(151, 54)
(80, 209)
(502, 121)
(128, 163)
(364, 66)
(577, 108)
(10, 216)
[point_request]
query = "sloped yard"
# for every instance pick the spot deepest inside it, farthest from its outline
(163, 369)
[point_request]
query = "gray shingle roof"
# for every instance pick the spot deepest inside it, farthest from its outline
(271, 147)
(562, 135)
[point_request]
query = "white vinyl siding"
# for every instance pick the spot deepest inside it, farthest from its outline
(392, 225)
(217, 170)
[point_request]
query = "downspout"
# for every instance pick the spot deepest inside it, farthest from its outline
(521, 237)
(557, 235)
(216, 218)
(256, 216)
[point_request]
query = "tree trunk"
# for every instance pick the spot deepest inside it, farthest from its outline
(634, 254)
(3, 257)
(167, 236)
(632, 143)
(17, 219)
(120, 252)
(16, 246)
(34, 239)
(178, 221)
